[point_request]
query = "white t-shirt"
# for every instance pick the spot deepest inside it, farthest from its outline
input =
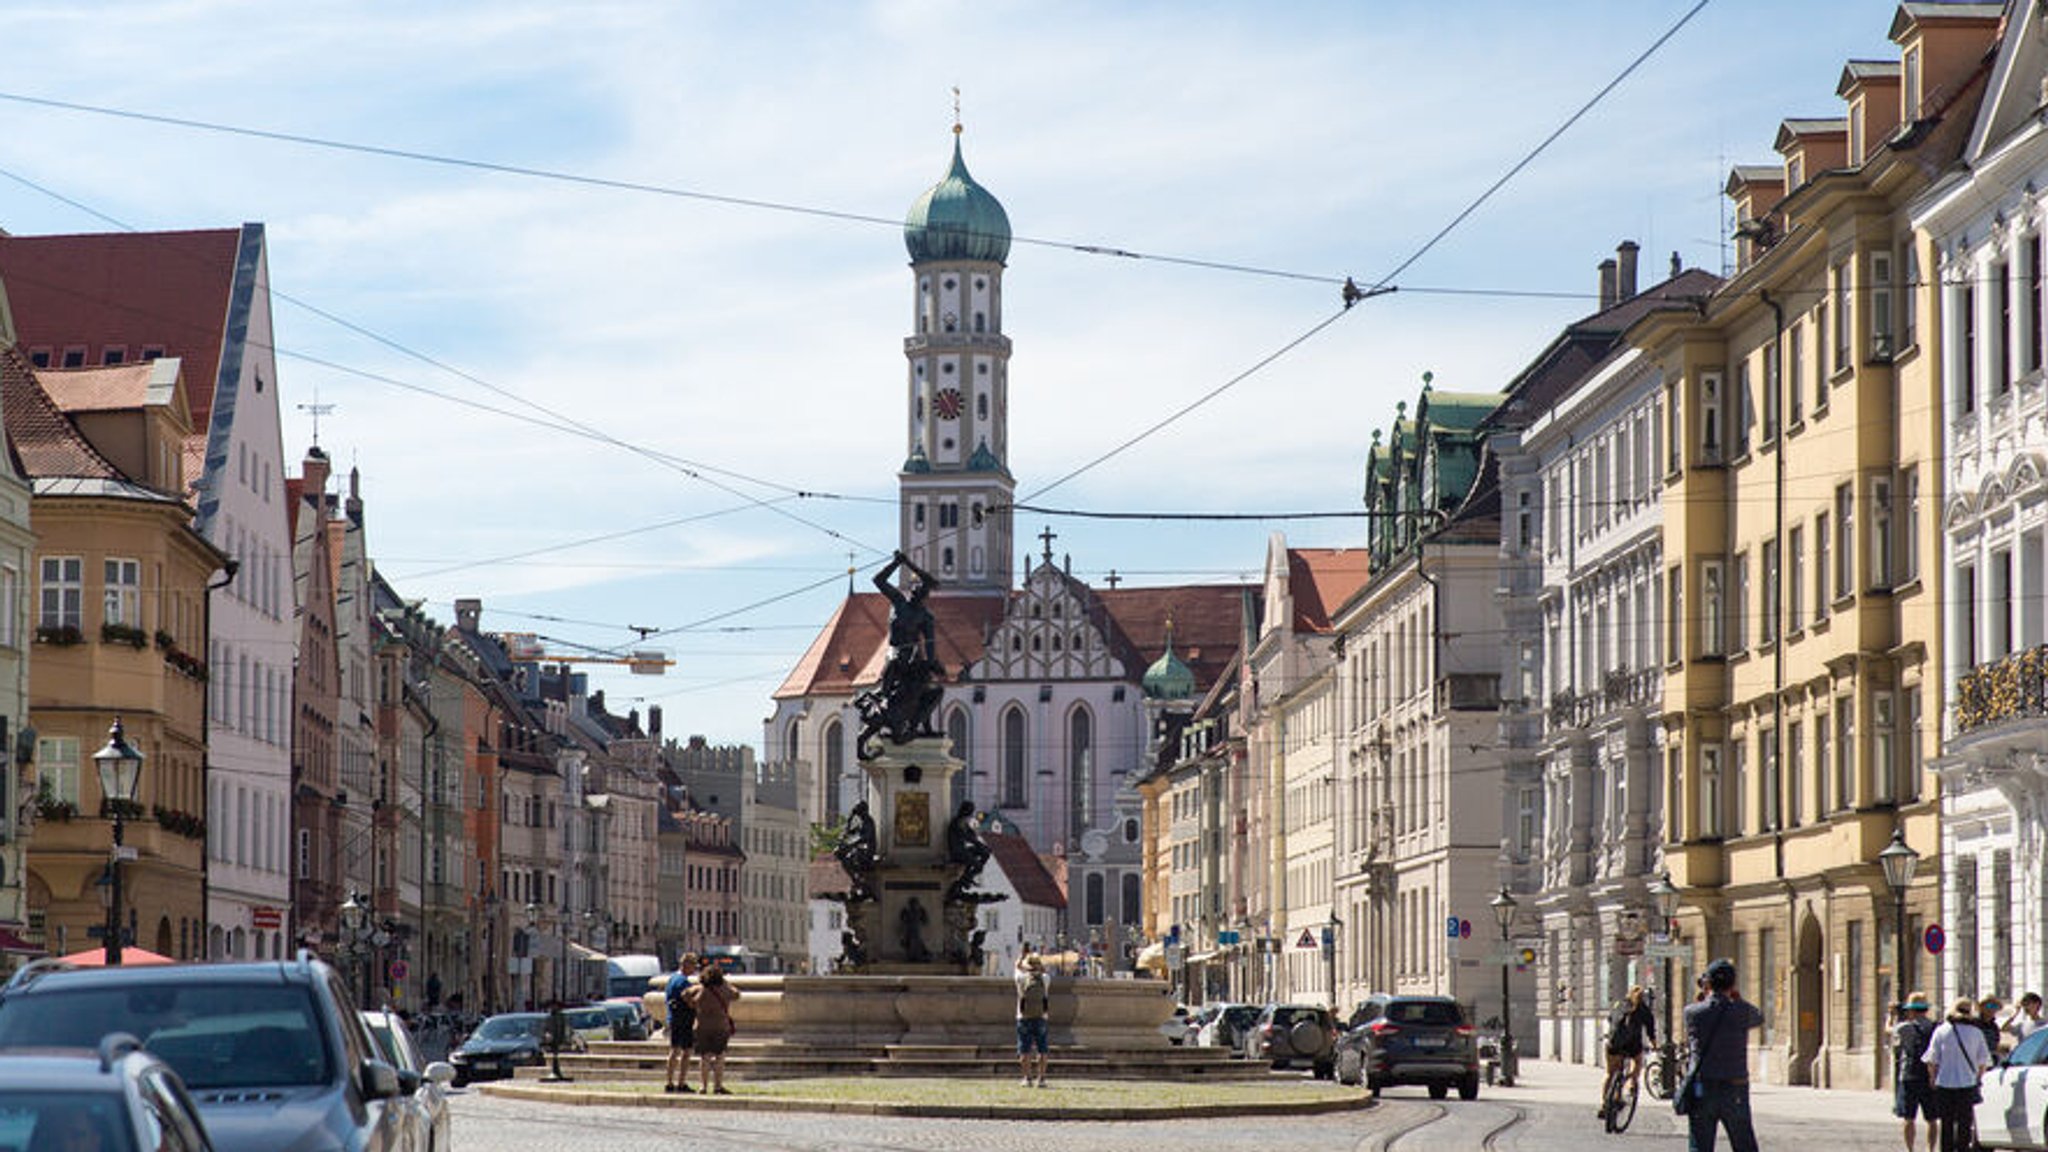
(1957, 1055)
(2023, 1026)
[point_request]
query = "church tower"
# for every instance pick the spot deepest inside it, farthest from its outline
(955, 488)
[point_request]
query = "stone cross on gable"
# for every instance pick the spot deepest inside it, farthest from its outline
(1048, 536)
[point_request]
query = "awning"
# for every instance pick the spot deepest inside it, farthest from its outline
(1152, 956)
(94, 957)
(11, 942)
(579, 952)
(1203, 957)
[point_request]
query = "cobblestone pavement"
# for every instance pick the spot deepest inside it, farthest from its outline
(1546, 1115)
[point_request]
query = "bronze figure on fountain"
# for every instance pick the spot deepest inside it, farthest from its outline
(901, 706)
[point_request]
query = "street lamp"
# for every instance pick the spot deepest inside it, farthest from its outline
(1899, 861)
(1503, 905)
(532, 986)
(1666, 896)
(589, 941)
(355, 919)
(120, 769)
(1330, 932)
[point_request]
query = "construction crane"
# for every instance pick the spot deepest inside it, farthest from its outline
(526, 647)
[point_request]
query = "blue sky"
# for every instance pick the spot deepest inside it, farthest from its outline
(1315, 139)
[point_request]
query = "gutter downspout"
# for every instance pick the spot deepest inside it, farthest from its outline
(230, 566)
(1778, 514)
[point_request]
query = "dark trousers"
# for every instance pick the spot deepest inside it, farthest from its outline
(1957, 1108)
(1721, 1104)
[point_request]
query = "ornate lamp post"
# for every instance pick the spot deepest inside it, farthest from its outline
(1899, 861)
(120, 769)
(355, 921)
(532, 976)
(1503, 905)
(1666, 896)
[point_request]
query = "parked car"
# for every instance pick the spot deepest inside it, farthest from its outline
(499, 1045)
(119, 1097)
(272, 1052)
(1411, 1040)
(629, 1019)
(588, 1022)
(1290, 1034)
(1175, 1027)
(426, 1121)
(1225, 1027)
(2014, 1110)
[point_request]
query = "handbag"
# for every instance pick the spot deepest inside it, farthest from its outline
(1689, 1088)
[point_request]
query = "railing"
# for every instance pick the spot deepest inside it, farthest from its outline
(2013, 688)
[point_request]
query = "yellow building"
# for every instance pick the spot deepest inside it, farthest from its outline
(1801, 452)
(120, 634)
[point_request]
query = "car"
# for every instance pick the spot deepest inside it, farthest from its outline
(118, 1097)
(421, 1080)
(1411, 1040)
(629, 1019)
(500, 1044)
(1225, 1027)
(587, 1023)
(1290, 1034)
(272, 1051)
(2014, 1110)
(1175, 1027)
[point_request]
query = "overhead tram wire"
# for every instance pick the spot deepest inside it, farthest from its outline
(1354, 292)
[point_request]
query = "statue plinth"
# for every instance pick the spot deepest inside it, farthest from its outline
(908, 788)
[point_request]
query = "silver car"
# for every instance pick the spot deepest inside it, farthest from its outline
(2014, 1111)
(422, 1082)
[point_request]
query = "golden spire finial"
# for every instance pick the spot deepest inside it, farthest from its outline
(956, 109)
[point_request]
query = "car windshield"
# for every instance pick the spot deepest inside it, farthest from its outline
(388, 1041)
(217, 1035)
(42, 1119)
(620, 1011)
(509, 1028)
(589, 1018)
(1438, 1012)
(2032, 1050)
(1240, 1015)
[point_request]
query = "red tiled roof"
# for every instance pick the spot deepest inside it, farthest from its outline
(1324, 578)
(1026, 872)
(98, 389)
(127, 289)
(44, 439)
(1208, 625)
(827, 877)
(849, 653)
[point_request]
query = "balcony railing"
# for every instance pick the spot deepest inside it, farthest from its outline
(2013, 688)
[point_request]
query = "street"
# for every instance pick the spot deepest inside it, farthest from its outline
(1551, 1111)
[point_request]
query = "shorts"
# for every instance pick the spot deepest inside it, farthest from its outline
(682, 1029)
(1911, 1096)
(1033, 1036)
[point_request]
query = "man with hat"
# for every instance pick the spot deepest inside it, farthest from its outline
(1912, 1090)
(1957, 1057)
(1717, 1035)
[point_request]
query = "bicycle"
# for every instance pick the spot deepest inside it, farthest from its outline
(1653, 1073)
(1618, 1101)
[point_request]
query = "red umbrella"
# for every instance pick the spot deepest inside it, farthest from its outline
(95, 957)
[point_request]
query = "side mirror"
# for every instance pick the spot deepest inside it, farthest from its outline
(379, 1080)
(440, 1072)
(408, 1082)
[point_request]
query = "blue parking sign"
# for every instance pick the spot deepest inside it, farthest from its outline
(1451, 928)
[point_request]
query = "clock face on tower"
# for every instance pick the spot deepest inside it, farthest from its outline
(947, 404)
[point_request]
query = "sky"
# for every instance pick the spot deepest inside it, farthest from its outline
(679, 405)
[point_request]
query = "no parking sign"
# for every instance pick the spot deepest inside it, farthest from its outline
(1935, 939)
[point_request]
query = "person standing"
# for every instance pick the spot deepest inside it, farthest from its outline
(681, 1021)
(712, 1001)
(2026, 1018)
(1912, 1090)
(1033, 1033)
(1987, 1023)
(1957, 1057)
(1717, 1035)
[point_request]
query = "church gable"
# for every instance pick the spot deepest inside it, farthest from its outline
(1050, 633)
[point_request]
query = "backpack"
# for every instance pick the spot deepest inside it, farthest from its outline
(1624, 1027)
(1031, 1001)
(1914, 1036)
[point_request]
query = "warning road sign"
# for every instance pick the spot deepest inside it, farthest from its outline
(1308, 940)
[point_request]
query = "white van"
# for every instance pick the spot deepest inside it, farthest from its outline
(626, 977)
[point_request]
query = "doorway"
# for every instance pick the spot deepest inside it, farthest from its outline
(1809, 1004)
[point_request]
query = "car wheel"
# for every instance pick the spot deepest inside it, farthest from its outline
(1325, 1070)
(460, 1081)
(1375, 1087)
(1439, 1090)
(1347, 1068)
(1468, 1088)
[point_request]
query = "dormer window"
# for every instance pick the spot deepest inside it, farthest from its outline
(1795, 171)
(1909, 88)
(1856, 133)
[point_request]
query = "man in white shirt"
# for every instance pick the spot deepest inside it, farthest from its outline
(1957, 1057)
(2026, 1018)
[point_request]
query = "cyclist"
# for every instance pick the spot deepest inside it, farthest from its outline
(1631, 1027)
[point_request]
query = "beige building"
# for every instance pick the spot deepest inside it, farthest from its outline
(1801, 482)
(17, 772)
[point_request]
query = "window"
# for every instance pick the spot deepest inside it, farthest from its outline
(1965, 367)
(1795, 580)
(1014, 773)
(1842, 328)
(1767, 628)
(949, 514)
(1709, 819)
(1671, 434)
(1845, 540)
(1738, 605)
(1880, 317)
(1795, 748)
(63, 592)
(1856, 133)
(1744, 413)
(2001, 342)
(1909, 86)
(1909, 296)
(1081, 771)
(1710, 417)
(1821, 567)
(1525, 521)
(1766, 988)
(1909, 525)
(1795, 372)
(1845, 752)
(10, 593)
(1712, 609)
(1909, 737)
(1770, 393)
(123, 593)
(1883, 744)
(1822, 767)
(2036, 247)
(1674, 614)
(1770, 781)
(1880, 532)
(57, 768)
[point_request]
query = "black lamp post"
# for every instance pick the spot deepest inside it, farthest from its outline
(120, 769)
(1503, 905)
(1899, 861)
(355, 926)
(532, 973)
(1330, 932)
(1666, 896)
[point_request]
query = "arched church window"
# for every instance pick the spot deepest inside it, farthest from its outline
(1056, 643)
(981, 406)
(1016, 642)
(946, 561)
(1038, 644)
(835, 765)
(1094, 887)
(1132, 899)
(981, 321)
(1013, 757)
(1080, 771)
(1080, 640)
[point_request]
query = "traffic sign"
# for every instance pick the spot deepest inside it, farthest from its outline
(398, 971)
(1464, 929)
(1666, 951)
(1229, 936)
(1935, 939)
(1308, 939)
(1451, 927)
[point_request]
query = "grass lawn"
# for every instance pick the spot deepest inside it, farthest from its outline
(1069, 1097)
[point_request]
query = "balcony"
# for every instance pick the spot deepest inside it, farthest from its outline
(1468, 692)
(2012, 689)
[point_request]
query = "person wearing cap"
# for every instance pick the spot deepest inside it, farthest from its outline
(1032, 1000)
(1912, 1090)
(1987, 1022)
(1957, 1057)
(1717, 1036)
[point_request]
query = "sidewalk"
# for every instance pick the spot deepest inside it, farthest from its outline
(1550, 1083)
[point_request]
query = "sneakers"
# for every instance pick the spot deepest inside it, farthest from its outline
(668, 1088)
(684, 1088)
(720, 1091)
(1024, 1083)
(1041, 1081)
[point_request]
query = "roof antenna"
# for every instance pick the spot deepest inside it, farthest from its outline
(956, 109)
(317, 410)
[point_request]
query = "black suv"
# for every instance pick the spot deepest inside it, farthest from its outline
(1293, 1034)
(272, 1052)
(1411, 1040)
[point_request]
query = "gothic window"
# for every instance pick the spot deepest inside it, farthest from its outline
(1094, 889)
(1081, 771)
(981, 407)
(1132, 890)
(835, 764)
(956, 747)
(1013, 757)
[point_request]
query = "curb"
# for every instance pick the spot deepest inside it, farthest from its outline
(589, 1097)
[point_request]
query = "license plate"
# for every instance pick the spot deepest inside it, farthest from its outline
(1429, 1041)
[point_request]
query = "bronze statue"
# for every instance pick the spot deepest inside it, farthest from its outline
(912, 921)
(901, 706)
(856, 852)
(965, 847)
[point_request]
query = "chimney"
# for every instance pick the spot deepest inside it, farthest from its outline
(315, 471)
(654, 723)
(1606, 284)
(1677, 265)
(354, 506)
(1625, 271)
(469, 612)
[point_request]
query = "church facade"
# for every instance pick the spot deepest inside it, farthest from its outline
(1054, 689)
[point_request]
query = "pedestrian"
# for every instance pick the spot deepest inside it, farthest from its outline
(681, 1018)
(1033, 1040)
(1957, 1057)
(2026, 1018)
(1912, 1090)
(712, 1001)
(1631, 1026)
(1987, 1022)
(1717, 1035)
